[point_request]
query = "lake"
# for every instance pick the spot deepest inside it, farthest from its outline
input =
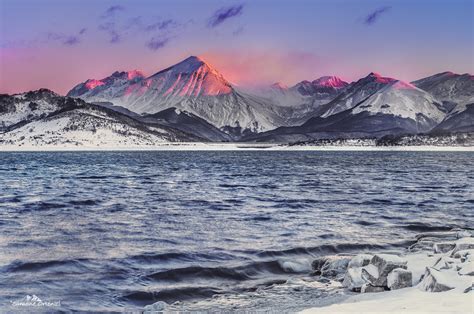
(115, 231)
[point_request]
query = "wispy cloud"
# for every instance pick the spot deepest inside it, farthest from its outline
(160, 25)
(157, 43)
(373, 16)
(67, 39)
(108, 24)
(112, 32)
(112, 10)
(223, 14)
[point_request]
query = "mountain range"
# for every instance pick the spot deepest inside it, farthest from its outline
(192, 102)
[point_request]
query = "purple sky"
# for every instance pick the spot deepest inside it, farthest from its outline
(57, 44)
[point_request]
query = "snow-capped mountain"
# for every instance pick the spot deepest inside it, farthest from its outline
(43, 118)
(23, 108)
(449, 87)
(354, 94)
(302, 99)
(456, 91)
(323, 86)
(317, 92)
(191, 101)
(404, 100)
(377, 106)
(191, 85)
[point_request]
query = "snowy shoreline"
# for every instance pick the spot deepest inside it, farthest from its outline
(231, 147)
(442, 280)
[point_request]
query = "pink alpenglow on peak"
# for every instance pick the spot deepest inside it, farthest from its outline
(134, 74)
(402, 85)
(380, 79)
(330, 81)
(192, 77)
(91, 84)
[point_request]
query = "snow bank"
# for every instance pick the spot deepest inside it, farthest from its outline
(409, 300)
(442, 281)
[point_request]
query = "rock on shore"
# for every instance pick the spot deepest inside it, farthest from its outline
(438, 268)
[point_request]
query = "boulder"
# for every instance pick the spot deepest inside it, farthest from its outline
(317, 265)
(331, 266)
(380, 266)
(353, 279)
(370, 274)
(360, 260)
(367, 288)
(463, 244)
(443, 247)
(399, 278)
(436, 281)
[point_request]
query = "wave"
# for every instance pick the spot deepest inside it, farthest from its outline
(421, 227)
(171, 295)
(19, 266)
(248, 271)
(179, 257)
(326, 249)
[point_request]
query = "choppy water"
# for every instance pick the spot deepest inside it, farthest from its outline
(120, 230)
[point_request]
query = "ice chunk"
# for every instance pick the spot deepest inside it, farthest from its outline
(360, 260)
(399, 278)
(353, 279)
(436, 281)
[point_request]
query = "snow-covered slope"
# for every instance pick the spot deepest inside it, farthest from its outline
(30, 106)
(460, 119)
(304, 98)
(191, 85)
(456, 91)
(354, 94)
(380, 106)
(406, 101)
(449, 86)
(68, 122)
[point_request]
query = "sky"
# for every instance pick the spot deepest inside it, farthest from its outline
(57, 44)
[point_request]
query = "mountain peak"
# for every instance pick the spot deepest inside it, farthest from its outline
(191, 77)
(189, 65)
(279, 86)
(127, 75)
(330, 81)
(374, 76)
